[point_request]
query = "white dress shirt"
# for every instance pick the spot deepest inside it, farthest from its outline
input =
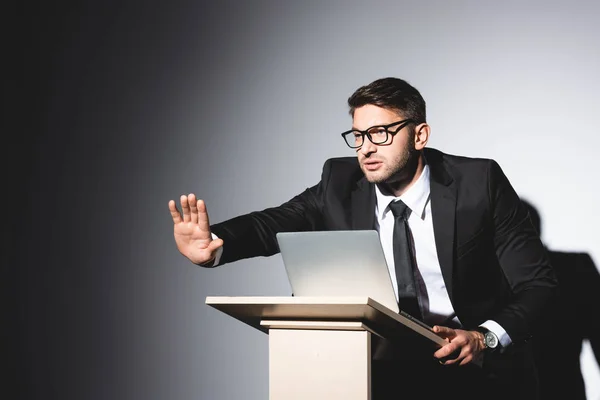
(434, 301)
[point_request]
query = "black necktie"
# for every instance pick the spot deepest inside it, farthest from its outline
(404, 261)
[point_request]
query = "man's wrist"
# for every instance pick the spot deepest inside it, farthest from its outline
(489, 339)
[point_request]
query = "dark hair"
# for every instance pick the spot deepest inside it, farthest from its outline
(390, 93)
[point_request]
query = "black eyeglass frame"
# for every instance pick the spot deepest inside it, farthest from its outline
(366, 133)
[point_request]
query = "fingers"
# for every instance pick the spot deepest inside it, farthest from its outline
(461, 350)
(193, 208)
(454, 354)
(202, 215)
(174, 212)
(185, 207)
(460, 355)
(466, 359)
(447, 352)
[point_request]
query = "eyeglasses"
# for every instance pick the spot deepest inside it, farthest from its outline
(377, 134)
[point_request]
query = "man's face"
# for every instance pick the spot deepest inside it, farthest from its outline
(384, 163)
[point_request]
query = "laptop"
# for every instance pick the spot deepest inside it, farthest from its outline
(337, 263)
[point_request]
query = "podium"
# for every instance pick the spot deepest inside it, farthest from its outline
(320, 347)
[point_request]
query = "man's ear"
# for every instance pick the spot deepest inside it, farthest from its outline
(422, 132)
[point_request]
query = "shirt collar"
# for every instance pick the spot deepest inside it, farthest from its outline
(415, 197)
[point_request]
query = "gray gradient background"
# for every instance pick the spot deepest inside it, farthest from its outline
(131, 104)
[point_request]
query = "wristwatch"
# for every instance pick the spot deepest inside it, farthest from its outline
(490, 340)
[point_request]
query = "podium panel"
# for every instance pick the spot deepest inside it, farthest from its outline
(319, 364)
(320, 348)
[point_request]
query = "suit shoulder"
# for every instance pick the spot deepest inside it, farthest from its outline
(458, 161)
(342, 165)
(342, 162)
(341, 170)
(461, 167)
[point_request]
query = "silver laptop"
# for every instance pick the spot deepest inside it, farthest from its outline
(337, 263)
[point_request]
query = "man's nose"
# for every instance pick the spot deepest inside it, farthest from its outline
(367, 147)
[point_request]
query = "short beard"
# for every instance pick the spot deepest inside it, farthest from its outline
(403, 167)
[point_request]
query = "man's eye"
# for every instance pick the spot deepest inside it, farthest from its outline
(377, 132)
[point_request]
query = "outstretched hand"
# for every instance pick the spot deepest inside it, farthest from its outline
(192, 230)
(463, 347)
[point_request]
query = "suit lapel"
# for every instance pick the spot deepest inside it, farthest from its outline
(363, 206)
(443, 210)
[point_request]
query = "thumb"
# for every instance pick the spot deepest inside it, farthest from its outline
(214, 245)
(443, 331)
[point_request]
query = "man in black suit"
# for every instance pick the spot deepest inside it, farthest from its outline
(572, 318)
(481, 274)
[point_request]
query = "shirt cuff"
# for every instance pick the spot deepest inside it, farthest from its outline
(219, 252)
(503, 337)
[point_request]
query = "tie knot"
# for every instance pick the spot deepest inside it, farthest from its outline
(399, 209)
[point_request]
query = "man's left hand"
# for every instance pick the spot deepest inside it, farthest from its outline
(463, 347)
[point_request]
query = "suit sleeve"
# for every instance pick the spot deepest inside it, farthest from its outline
(522, 257)
(253, 234)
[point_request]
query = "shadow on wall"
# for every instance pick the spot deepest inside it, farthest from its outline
(574, 318)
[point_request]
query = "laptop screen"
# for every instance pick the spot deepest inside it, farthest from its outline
(337, 264)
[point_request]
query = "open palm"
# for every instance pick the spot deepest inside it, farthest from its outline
(192, 230)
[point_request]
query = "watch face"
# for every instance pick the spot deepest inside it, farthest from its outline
(491, 340)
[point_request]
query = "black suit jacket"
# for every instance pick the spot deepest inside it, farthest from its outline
(492, 260)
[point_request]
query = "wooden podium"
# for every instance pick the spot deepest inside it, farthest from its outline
(320, 347)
